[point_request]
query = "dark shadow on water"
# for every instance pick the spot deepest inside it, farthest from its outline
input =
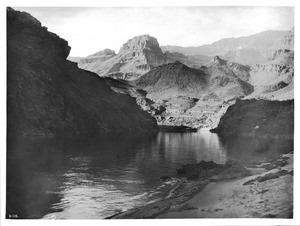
(246, 149)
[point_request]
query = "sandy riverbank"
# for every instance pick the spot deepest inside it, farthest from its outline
(267, 193)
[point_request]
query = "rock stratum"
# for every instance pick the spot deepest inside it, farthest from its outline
(49, 95)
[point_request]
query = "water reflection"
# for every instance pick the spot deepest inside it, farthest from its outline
(95, 177)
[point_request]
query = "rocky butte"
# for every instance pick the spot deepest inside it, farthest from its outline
(136, 57)
(49, 95)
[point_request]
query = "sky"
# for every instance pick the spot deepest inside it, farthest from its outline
(89, 30)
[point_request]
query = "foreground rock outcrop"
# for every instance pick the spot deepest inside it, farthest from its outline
(258, 118)
(49, 95)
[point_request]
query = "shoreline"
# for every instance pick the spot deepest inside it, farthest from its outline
(266, 193)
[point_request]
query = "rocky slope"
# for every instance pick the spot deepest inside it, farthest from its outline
(49, 95)
(258, 118)
(193, 97)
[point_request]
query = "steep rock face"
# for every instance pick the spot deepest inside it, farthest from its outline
(136, 57)
(145, 48)
(258, 117)
(49, 95)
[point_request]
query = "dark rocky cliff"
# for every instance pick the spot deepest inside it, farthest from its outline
(49, 95)
(258, 118)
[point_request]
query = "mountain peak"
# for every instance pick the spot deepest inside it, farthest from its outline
(138, 43)
(103, 52)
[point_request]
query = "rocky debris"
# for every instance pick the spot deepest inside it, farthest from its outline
(165, 178)
(273, 163)
(213, 171)
(49, 95)
(268, 176)
(258, 118)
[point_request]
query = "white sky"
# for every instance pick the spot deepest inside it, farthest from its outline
(89, 30)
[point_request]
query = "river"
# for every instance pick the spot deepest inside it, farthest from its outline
(96, 177)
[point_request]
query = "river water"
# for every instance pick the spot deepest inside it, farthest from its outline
(96, 177)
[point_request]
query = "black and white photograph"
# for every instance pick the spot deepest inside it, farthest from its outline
(149, 112)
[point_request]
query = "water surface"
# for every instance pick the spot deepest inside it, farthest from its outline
(96, 177)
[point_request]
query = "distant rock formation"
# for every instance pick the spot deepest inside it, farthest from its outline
(49, 95)
(195, 90)
(193, 97)
(136, 57)
(258, 118)
(99, 56)
(249, 50)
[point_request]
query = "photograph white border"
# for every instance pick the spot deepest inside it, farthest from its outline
(142, 3)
